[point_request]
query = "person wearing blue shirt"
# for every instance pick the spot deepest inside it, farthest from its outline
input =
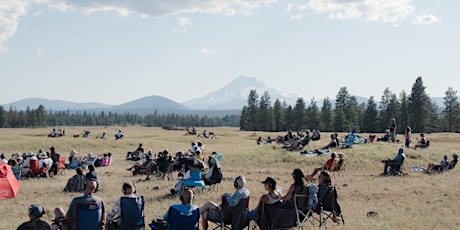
(185, 207)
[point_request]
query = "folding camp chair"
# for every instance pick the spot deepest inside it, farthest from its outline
(267, 215)
(89, 215)
(179, 221)
(348, 142)
(61, 166)
(132, 213)
(305, 205)
(397, 169)
(195, 182)
(227, 216)
(34, 169)
(340, 169)
(328, 207)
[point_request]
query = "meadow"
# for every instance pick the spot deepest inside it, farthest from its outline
(414, 201)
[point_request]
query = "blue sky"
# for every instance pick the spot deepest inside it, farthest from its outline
(116, 51)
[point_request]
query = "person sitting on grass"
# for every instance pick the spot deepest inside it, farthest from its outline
(439, 167)
(333, 143)
(421, 143)
(453, 163)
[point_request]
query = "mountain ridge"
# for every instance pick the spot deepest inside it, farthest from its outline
(230, 99)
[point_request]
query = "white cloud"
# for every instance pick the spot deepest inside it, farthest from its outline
(426, 19)
(289, 7)
(183, 21)
(370, 10)
(10, 12)
(147, 9)
(296, 17)
(207, 52)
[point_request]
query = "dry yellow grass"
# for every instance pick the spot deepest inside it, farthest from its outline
(415, 201)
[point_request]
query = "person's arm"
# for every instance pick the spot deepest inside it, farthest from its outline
(115, 210)
(103, 219)
(263, 199)
(290, 193)
(71, 212)
(234, 199)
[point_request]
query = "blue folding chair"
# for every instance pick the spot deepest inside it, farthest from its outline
(180, 221)
(89, 215)
(132, 213)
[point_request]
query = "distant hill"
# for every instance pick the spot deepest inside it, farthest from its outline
(234, 95)
(148, 105)
(58, 105)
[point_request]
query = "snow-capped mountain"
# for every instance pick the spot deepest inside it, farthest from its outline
(234, 95)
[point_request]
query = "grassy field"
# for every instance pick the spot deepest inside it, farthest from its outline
(414, 201)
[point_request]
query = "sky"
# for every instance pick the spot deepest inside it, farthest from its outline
(117, 51)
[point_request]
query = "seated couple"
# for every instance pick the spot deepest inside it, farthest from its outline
(444, 165)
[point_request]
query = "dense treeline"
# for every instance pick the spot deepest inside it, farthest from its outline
(31, 118)
(415, 110)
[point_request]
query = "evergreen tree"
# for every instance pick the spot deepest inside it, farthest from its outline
(388, 108)
(298, 120)
(403, 114)
(451, 110)
(278, 116)
(289, 118)
(312, 116)
(340, 119)
(433, 123)
(327, 116)
(253, 100)
(419, 104)
(2, 117)
(265, 121)
(352, 113)
(370, 122)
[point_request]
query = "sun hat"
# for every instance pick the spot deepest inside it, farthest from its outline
(269, 180)
(40, 151)
(73, 152)
(42, 155)
(30, 154)
(16, 155)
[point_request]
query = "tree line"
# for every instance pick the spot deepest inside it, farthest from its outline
(415, 110)
(39, 117)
